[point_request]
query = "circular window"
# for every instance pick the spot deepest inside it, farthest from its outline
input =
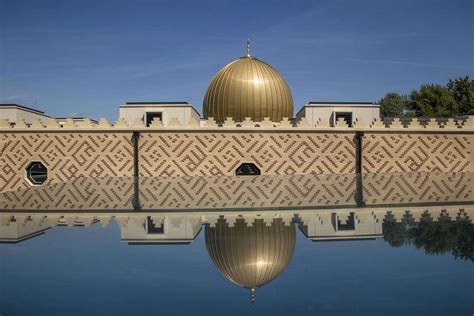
(36, 173)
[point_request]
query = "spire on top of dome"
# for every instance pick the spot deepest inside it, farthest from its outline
(248, 47)
(252, 295)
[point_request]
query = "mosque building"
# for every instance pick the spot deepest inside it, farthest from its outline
(245, 89)
(248, 128)
(162, 156)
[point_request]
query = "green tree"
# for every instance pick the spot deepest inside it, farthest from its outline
(433, 100)
(462, 90)
(393, 105)
(443, 236)
(396, 234)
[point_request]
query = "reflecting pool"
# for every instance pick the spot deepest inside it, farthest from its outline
(288, 245)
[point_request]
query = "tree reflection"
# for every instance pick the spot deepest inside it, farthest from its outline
(434, 237)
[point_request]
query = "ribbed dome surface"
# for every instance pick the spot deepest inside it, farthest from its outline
(251, 256)
(248, 87)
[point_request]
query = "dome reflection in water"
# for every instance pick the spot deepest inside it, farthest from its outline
(251, 254)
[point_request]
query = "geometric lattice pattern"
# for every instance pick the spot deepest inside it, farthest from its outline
(247, 192)
(187, 193)
(215, 154)
(395, 152)
(98, 194)
(243, 193)
(66, 155)
(418, 187)
(72, 154)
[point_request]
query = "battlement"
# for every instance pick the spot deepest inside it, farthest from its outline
(396, 124)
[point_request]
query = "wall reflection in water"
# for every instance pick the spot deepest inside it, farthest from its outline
(250, 222)
(253, 248)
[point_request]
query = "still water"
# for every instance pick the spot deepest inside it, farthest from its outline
(399, 244)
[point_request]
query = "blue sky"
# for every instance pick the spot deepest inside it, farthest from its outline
(87, 57)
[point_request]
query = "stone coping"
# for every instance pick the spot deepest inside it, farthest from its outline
(291, 216)
(433, 124)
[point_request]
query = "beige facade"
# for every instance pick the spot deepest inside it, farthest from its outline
(67, 155)
(88, 150)
(21, 115)
(171, 113)
(315, 225)
(326, 113)
(15, 113)
(230, 193)
(219, 153)
(21, 228)
(62, 121)
(417, 151)
(322, 226)
(159, 229)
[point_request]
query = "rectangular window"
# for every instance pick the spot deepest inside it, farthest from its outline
(347, 116)
(153, 115)
(346, 223)
(151, 228)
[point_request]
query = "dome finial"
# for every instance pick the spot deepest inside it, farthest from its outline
(252, 295)
(248, 47)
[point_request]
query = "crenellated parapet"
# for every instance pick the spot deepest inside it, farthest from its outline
(175, 227)
(322, 222)
(396, 124)
(179, 220)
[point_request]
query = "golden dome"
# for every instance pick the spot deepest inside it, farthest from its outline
(248, 87)
(251, 255)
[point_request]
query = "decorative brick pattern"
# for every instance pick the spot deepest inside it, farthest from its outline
(247, 192)
(103, 150)
(418, 187)
(79, 194)
(67, 156)
(187, 193)
(215, 154)
(241, 193)
(385, 153)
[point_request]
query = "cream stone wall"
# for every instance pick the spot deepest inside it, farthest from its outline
(277, 148)
(180, 113)
(21, 228)
(312, 223)
(325, 113)
(14, 114)
(67, 155)
(216, 153)
(178, 228)
(344, 191)
(417, 151)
